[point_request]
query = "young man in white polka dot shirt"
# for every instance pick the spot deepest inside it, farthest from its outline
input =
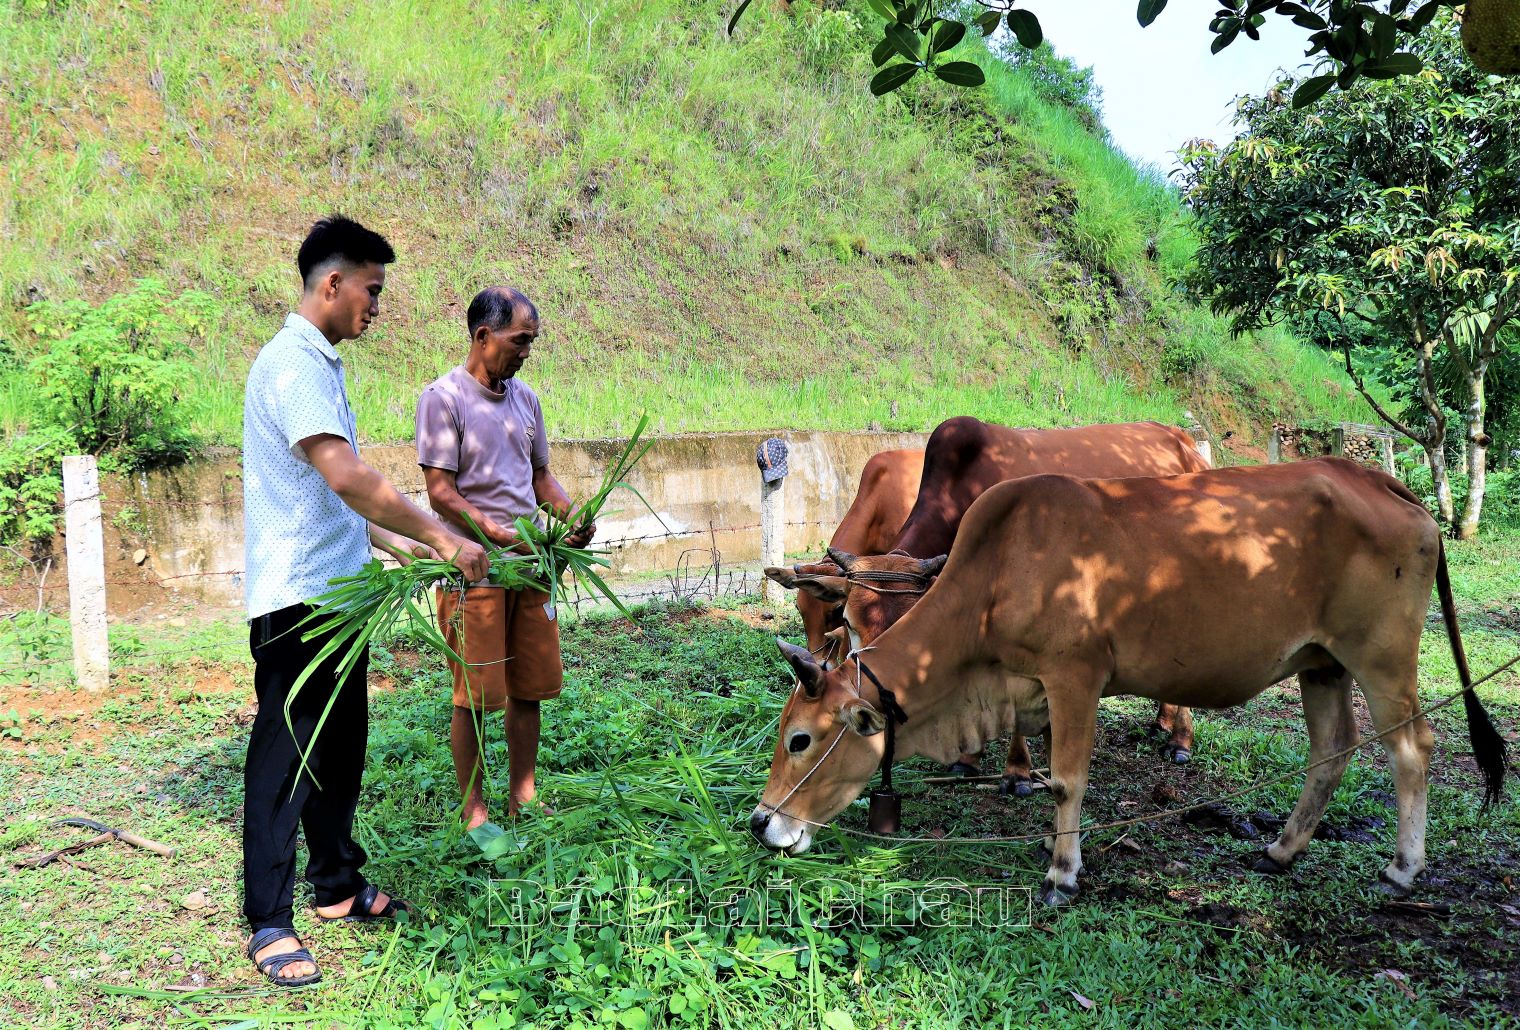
(312, 507)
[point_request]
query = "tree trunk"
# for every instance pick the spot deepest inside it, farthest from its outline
(1435, 441)
(1436, 449)
(1477, 453)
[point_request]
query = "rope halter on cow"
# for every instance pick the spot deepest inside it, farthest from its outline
(885, 814)
(869, 579)
(886, 804)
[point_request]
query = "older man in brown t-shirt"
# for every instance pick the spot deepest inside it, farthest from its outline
(482, 447)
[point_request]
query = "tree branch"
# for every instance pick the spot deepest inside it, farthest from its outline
(1488, 343)
(1362, 389)
(1430, 394)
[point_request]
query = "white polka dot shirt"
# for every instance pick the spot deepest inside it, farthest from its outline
(297, 533)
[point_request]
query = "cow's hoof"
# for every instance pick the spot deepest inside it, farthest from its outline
(1056, 896)
(1269, 866)
(962, 769)
(1392, 887)
(1018, 786)
(1176, 755)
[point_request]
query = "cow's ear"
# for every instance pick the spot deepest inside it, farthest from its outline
(862, 718)
(786, 577)
(844, 559)
(931, 566)
(806, 669)
(828, 589)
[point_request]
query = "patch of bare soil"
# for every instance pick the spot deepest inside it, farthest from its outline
(74, 717)
(1464, 914)
(754, 618)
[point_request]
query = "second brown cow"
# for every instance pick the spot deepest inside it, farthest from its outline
(869, 590)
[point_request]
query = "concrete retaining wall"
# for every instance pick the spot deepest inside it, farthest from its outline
(186, 524)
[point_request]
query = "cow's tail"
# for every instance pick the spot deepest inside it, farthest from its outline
(1487, 745)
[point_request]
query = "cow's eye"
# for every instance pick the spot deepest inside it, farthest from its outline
(798, 743)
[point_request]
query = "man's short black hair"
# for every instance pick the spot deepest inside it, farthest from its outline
(344, 239)
(495, 307)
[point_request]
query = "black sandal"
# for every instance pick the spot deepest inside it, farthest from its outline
(359, 908)
(273, 966)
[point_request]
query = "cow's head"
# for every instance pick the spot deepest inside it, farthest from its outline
(820, 597)
(879, 589)
(829, 746)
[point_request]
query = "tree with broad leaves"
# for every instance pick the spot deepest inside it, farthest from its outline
(1351, 40)
(1395, 209)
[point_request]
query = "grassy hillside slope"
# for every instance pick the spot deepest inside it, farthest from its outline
(729, 232)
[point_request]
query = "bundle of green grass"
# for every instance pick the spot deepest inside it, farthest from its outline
(374, 602)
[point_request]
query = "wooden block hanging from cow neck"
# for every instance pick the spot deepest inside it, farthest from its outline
(885, 815)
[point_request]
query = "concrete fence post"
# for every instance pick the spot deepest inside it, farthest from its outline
(1274, 446)
(1385, 449)
(1338, 441)
(1203, 445)
(87, 572)
(771, 457)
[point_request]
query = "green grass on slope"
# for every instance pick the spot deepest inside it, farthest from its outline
(715, 228)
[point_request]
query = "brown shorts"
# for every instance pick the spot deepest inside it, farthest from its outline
(502, 624)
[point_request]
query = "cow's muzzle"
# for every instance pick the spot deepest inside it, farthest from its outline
(780, 832)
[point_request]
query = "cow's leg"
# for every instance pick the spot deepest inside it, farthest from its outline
(1332, 728)
(1019, 769)
(1392, 698)
(1177, 724)
(968, 764)
(1073, 728)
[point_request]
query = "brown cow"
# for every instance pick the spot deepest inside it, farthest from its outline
(965, 457)
(1199, 590)
(888, 488)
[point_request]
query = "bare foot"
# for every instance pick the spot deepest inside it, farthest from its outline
(474, 815)
(528, 807)
(342, 908)
(284, 946)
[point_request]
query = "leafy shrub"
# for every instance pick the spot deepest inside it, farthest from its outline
(1501, 500)
(112, 375)
(1060, 81)
(31, 482)
(1181, 356)
(106, 380)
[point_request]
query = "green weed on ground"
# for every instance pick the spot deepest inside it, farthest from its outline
(659, 910)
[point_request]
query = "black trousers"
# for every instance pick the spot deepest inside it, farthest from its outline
(275, 801)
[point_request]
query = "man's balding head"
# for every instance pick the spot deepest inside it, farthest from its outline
(503, 324)
(497, 307)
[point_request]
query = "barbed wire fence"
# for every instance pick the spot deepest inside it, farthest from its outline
(32, 586)
(36, 586)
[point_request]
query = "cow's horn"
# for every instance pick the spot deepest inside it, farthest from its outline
(844, 559)
(931, 566)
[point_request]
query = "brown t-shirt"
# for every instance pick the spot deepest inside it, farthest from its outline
(492, 441)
